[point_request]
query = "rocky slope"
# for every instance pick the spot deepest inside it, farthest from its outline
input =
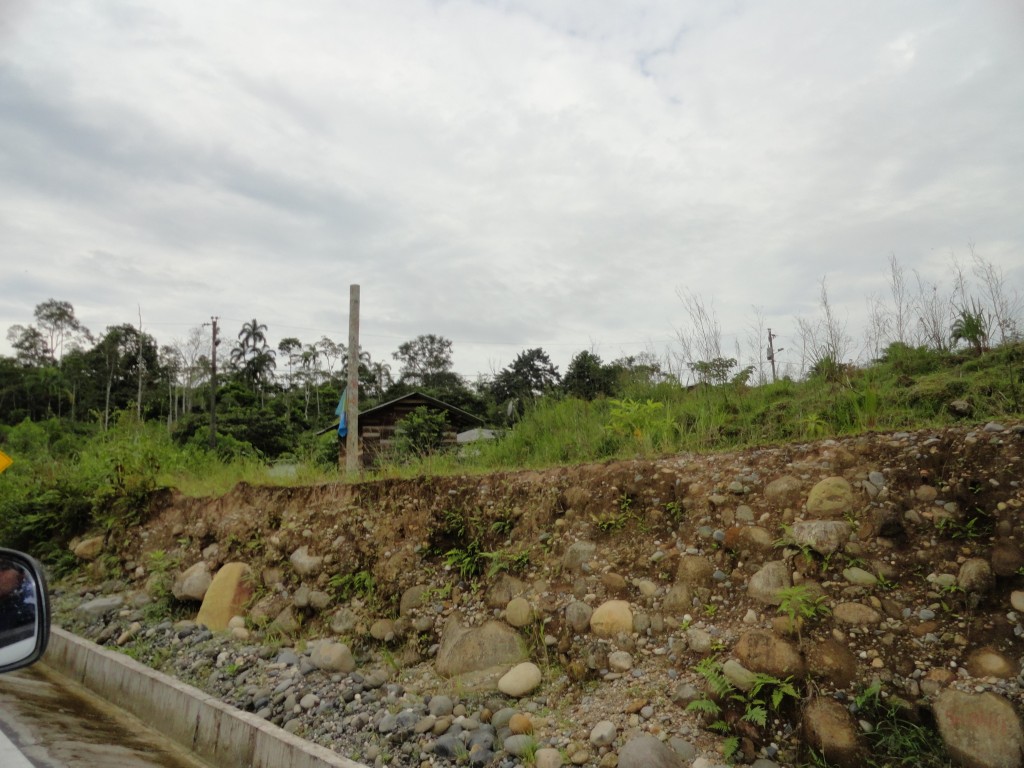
(792, 605)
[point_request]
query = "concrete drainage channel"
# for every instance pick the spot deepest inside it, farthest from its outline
(218, 734)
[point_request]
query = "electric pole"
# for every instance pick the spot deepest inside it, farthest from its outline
(352, 461)
(213, 384)
(772, 351)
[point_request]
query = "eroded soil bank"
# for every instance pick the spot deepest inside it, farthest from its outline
(898, 555)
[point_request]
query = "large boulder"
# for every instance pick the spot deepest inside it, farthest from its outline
(89, 549)
(473, 649)
(226, 597)
(823, 536)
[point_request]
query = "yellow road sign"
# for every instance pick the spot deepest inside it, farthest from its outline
(5, 461)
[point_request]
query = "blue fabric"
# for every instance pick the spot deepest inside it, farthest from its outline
(340, 411)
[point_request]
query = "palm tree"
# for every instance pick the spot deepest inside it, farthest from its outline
(971, 326)
(253, 335)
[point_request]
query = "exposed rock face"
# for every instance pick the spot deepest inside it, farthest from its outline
(473, 649)
(979, 730)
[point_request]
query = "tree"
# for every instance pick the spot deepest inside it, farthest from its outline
(587, 377)
(531, 375)
(971, 326)
(424, 359)
(29, 345)
(57, 319)
(253, 335)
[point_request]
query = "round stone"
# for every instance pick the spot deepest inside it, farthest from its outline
(521, 680)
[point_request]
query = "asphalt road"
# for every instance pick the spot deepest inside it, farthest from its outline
(51, 722)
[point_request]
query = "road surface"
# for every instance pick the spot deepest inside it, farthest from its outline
(48, 721)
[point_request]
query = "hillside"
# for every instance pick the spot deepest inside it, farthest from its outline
(635, 588)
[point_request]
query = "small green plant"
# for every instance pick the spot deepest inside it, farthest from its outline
(800, 603)
(711, 610)
(895, 740)
(971, 528)
(766, 696)
(349, 585)
(675, 511)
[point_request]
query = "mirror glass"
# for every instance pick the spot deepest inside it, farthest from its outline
(19, 612)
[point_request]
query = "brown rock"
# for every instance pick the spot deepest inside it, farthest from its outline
(833, 662)
(89, 549)
(762, 651)
(694, 570)
(748, 537)
(612, 618)
(856, 614)
(1007, 558)
(979, 730)
(988, 662)
(784, 491)
(230, 590)
(831, 730)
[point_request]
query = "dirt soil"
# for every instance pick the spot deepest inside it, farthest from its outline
(922, 505)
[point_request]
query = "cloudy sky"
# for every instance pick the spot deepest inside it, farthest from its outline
(506, 174)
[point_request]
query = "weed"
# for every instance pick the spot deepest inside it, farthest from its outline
(765, 698)
(799, 603)
(893, 738)
(675, 511)
(349, 585)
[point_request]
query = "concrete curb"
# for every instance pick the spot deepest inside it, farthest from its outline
(217, 733)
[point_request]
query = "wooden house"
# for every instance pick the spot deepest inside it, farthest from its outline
(377, 425)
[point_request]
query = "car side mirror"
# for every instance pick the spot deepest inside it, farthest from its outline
(24, 610)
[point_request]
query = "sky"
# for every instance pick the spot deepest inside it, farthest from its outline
(508, 175)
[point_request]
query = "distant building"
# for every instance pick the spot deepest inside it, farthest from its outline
(377, 425)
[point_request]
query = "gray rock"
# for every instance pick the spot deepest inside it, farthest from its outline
(304, 563)
(578, 554)
(472, 649)
(519, 744)
(603, 733)
(100, 606)
(766, 583)
(333, 657)
(647, 751)
(577, 615)
(192, 583)
(823, 536)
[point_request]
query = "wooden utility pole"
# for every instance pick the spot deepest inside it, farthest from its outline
(213, 385)
(771, 352)
(352, 400)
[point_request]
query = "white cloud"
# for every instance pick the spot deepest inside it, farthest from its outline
(507, 174)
